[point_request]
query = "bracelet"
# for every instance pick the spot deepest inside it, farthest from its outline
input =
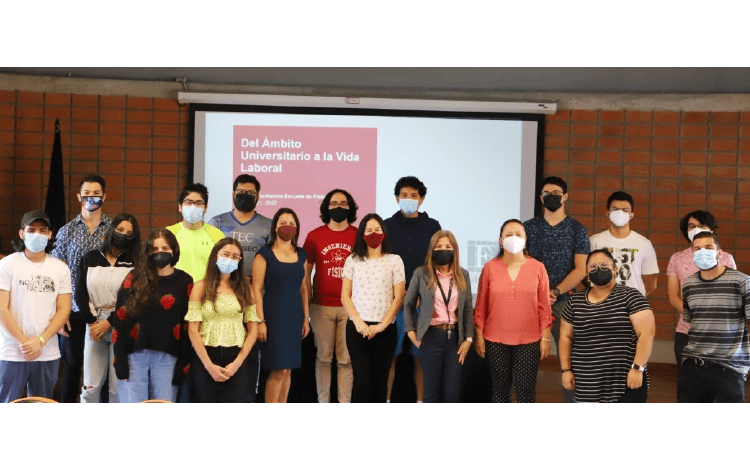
(547, 340)
(41, 340)
(566, 370)
(262, 321)
(307, 318)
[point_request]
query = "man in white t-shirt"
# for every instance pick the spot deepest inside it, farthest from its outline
(636, 259)
(35, 293)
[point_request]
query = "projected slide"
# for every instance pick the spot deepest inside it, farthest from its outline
(478, 172)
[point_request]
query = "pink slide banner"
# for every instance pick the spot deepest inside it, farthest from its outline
(297, 166)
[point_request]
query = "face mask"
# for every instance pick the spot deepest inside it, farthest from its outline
(286, 232)
(408, 206)
(192, 214)
(35, 242)
(443, 257)
(226, 265)
(600, 276)
(338, 214)
(696, 231)
(552, 202)
(120, 240)
(619, 218)
(244, 202)
(705, 259)
(514, 244)
(161, 259)
(91, 203)
(374, 239)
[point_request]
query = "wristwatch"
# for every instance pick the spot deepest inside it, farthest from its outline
(556, 292)
(637, 367)
(470, 339)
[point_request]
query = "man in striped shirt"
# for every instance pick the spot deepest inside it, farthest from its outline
(716, 300)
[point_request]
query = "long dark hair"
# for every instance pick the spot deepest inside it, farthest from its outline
(272, 236)
(237, 280)
(131, 251)
(360, 247)
(325, 215)
(145, 276)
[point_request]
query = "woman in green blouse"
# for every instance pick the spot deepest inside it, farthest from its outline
(222, 328)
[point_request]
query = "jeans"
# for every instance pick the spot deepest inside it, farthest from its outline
(150, 376)
(39, 378)
(569, 396)
(329, 329)
(71, 349)
(440, 367)
(206, 390)
(371, 362)
(702, 381)
(97, 365)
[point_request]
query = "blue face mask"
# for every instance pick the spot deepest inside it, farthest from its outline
(192, 214)
(91, 203)
(35, 242)
(408, 206)
(226, 265)
(705, 259)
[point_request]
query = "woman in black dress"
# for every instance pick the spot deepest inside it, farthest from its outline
(281, 303)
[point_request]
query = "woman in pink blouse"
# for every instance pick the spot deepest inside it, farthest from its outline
(513, 318)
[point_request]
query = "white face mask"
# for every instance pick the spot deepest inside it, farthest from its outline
(514, 244)
(696, 231)
(619, 218)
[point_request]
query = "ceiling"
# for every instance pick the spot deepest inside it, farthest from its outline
(520, 79)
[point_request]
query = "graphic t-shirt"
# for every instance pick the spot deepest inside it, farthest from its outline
(252, 235)
(634, 254)
(33, 288)
(327, 250)
(195, 248)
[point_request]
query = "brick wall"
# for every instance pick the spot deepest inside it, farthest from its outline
(138, 144)
(672, 163)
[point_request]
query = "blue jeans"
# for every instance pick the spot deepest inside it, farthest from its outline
(39, 378)
(97, 365)
(150, 377)
(439, 357)
(401, 332)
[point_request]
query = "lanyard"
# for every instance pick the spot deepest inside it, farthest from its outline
(446, 300)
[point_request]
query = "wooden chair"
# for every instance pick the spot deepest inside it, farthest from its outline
(34, 400)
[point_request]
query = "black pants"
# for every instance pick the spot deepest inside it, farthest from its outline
(253, 372)
(636, 395)
(207, 390)
(440, 367)
(515, 366)
(708, 382)
(371, 362)
(71, 349)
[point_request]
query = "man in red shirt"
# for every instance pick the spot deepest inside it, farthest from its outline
(327, 248)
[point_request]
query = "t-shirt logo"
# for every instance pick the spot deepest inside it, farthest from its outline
(38, 284)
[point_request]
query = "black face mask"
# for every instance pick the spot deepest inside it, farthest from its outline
(161, 259)
(244, 202)
(338, 214)
(120, 240)
(552, 202)
(600, 277)
(442, 257)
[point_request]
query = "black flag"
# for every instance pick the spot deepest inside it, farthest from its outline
(54, 207)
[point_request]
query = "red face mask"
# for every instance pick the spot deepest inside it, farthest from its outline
(374, 240)
(286, 232)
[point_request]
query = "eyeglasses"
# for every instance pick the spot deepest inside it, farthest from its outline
(591, 267)
(188, 202)
(693, 226)
(334, 205)
(248, 192)
(554, 193)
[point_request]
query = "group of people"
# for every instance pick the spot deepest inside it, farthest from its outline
(192, 314)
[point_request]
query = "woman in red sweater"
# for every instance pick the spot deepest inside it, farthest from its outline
(513, 318)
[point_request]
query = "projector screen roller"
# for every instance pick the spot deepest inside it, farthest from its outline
(480, 169)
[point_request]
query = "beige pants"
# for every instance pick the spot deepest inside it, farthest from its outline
(329, 327)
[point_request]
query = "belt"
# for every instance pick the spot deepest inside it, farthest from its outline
(444, 326)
